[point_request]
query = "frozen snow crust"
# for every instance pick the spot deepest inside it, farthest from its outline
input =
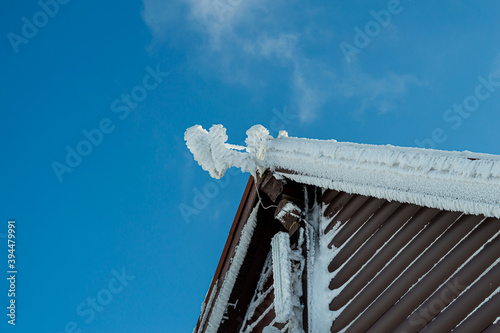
(456, 181)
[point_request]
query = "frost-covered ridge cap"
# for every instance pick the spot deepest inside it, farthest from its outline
(214, 155)
(398, 159)
(456, 181)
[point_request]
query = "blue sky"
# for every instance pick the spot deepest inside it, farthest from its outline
(113, 85)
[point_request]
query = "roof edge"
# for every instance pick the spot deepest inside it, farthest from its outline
(449, 180)
(248, 200)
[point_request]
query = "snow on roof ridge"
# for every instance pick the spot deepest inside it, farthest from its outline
(449, 180)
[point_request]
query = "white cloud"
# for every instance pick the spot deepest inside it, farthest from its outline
(239, 35)
(381, 93)
(308, 99)
(159, 15)
(283, 48)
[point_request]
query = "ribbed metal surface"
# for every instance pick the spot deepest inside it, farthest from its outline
(406, 268)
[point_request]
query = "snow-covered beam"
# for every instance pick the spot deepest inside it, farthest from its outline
(455, 181)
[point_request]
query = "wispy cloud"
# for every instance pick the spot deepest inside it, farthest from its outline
(283, 48)
(382, 93)
(160, 16)
(238, 36)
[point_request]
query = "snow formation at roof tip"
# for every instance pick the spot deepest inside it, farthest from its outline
(214, 155)
(455, 181)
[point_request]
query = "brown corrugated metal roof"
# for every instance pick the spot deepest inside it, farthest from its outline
(399, 266)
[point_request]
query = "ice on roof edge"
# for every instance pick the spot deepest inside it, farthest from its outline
(448, 180)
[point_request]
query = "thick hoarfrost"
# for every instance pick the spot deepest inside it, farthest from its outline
(214, 155)
(282, 275)
(443, 180)
(207, 306)
(221, 303)
(455, 181)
